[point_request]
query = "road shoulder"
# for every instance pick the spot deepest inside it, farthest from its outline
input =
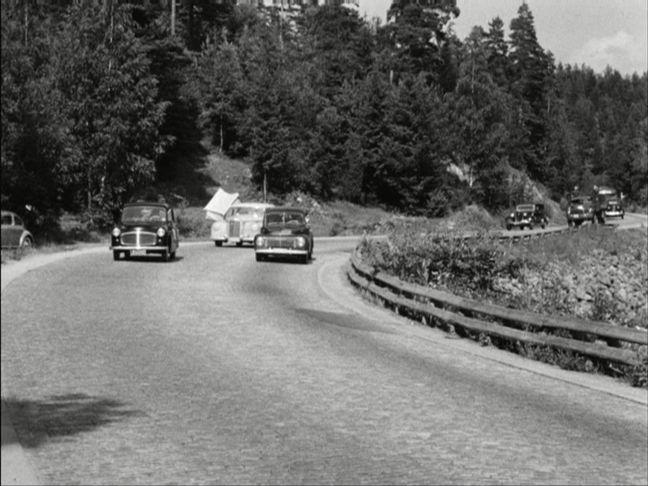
(15, 467)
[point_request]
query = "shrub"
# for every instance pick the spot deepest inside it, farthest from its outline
(192, 223)
(443, 259)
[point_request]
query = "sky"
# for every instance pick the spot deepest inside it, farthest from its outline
(597, 33)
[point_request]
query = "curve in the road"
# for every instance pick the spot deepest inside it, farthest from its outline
(216, 369)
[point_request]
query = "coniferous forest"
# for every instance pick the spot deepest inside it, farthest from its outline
(103, 97)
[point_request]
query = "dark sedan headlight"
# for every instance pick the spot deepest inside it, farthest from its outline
(259, 242)
(161, 232)
(116, 232)
(300, 242)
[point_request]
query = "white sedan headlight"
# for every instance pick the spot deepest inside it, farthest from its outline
(116, 232)
(161, 232)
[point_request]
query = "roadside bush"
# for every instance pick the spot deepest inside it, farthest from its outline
(443, 260)
(474, 218)
(192, 223)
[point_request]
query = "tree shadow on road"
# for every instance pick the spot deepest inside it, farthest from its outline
(37, 421)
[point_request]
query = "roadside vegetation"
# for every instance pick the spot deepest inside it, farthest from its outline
(594, 273)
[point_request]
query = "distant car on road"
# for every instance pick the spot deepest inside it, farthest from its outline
(285, 233)
(527, 215)
(614, 209)
(242, 222)
(145, 228)
(14, 233)
(579, 211)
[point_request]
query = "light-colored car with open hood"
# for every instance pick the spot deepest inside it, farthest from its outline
(241, 223)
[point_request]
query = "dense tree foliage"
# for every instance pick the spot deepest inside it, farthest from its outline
(100, 99)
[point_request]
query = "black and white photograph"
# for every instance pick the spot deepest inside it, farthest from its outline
(324, 242)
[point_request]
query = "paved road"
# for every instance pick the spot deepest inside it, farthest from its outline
(218, 369)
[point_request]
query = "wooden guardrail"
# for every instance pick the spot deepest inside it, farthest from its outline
(516, 235)
(511, 324)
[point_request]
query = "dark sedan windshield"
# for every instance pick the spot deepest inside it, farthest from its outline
(284, 218)
(143, 214)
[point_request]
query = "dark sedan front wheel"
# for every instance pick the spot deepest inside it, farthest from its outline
(27, 244)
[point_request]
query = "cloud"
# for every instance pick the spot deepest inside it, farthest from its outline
(620, 51)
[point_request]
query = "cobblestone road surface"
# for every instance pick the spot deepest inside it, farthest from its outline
(215, 369)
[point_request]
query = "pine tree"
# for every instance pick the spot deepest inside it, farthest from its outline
(498, 63)
(413, 38)
(531, 71)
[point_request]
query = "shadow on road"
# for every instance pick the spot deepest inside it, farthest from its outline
(36, 421)
(351, 321)
(150, 259)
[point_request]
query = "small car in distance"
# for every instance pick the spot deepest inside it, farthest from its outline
(579, 211)
(145, 228)
(614, 209)
(285, 233)
(14, 233)
(242, 222)
(527, 215)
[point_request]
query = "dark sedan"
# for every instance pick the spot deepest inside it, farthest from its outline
(14, 233)
(285, 233)
(145, 228)
(527, 215)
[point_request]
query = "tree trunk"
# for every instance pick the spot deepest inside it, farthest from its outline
(26, 20)
(221, 133)
(173, 17)
(89, 193)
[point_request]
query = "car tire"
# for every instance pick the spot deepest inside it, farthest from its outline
(165, 255)
(218, 243)
(116, 255)
(172, 255)
(530, 226)
(259, 258)
(508, 227)
(239, 243)
(27, 244)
